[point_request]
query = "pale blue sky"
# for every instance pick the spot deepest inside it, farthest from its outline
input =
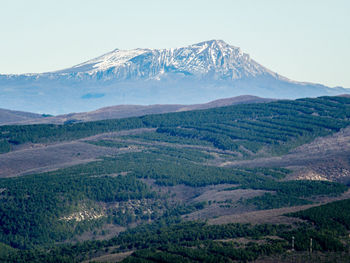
(305, 40)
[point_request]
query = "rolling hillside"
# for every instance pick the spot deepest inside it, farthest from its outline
(178, 187)
(120, 111)
(8, 116)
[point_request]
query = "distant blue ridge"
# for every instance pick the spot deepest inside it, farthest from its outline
(93, 96)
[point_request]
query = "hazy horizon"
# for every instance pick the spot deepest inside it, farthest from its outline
(304, 41)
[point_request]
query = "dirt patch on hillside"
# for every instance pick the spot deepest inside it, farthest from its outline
(108, 231)
(220, 203)
(233, 195)
(273, 216)
(51, 157)
(111, 135)
(111, 257)
(35, 158)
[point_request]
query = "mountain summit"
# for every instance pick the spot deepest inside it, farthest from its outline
(194, 74)
(214, 57)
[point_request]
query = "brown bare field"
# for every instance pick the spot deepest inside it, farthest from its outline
(221, 203)
(214, 194)
(107, 231)
(111, 135)
(51, 157)
(272, 216)
(110, 257)
(37, 158)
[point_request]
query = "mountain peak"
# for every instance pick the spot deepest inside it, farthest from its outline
(212, 42)
(196, 73)
(214, 57)
(217, 44)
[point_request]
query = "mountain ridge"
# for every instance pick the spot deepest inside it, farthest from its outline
(193, 74)
(197, 58)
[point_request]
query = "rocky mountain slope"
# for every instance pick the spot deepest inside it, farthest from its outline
(194, 74)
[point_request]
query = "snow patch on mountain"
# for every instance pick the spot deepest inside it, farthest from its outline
(214, 58)
(194, 74)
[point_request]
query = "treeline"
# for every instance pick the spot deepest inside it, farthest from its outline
(334, 217)
(328, 227)
(18, 134)
(290, 193)
(5, 146)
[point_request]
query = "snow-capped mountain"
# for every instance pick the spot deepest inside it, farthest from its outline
(199, 60)
(194, 74)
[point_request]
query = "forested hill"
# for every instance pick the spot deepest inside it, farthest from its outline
(151, 182)
(8, 117)
(279, 125)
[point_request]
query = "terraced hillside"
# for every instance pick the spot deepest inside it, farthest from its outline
(145, 185)
(241, 127)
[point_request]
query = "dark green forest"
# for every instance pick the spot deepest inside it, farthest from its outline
(42, 215)
(279, 125)
(171, 240)
(32, 206)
